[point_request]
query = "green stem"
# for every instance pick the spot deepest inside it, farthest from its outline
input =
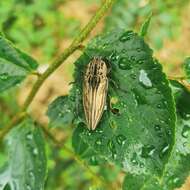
(74, 46)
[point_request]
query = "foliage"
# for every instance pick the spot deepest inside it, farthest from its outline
(165, 22)
(14, 65)
(26, 167)
(39, 23)
(144, 134)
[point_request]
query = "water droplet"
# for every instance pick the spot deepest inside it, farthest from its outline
(88, 133)
(93, 160)
(164, 150)
(4, 76)
(60, 114)
(185, 131)
(29, 136)
(28, 187)
(144, 80)
(141, 165)
(185, 144)
(121, 139)
(111, 147)
(98, 130)
(133, 58)
(31, 174)
(134, 159)
(185, 116)
(140, 61)
(157, 127)
(126, 36)
(114, 56)
(124, 64)
(176, 180)
(35, 151)
(98, 141)
(133, 76)
(148, 151)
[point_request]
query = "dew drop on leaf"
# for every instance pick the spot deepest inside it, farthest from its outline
(134, 159)
(132, 58)
(126, 36)
(29, 136)
(133, 76)
(98, 130)
(186, 116)
(176, 180)
(164, 150)
(28, 187)
(148, 151)
(185, 131)
(35, 151)
(114, 56)
(140, 61)
(93, 160)
(124, 64)
(98, 141)
(144, 80)
(121, 139)
(141, 165)
(111, 147)
(4, 76)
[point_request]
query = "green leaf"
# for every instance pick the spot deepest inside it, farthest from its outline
(141, 135)
(14, 65)
(186, 67)
(145, 26)
(178, 166)
(26, 167)
(60, 112)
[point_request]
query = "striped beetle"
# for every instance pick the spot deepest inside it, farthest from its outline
(95, 88)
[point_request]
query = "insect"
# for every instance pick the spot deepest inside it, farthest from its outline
(95, 87)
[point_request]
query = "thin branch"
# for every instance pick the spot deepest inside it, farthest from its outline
(61, 144)
(73, 47)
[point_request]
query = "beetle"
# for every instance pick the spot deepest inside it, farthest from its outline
(95, 88)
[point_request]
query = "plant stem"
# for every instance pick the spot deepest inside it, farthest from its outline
(74, 46)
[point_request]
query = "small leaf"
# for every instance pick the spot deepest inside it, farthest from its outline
(186, 67)
(178, 167)
(26, 167)
(14, 64)
(141, 135)
(145, 26)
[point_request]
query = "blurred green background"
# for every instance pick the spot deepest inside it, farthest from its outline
(44, 28)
